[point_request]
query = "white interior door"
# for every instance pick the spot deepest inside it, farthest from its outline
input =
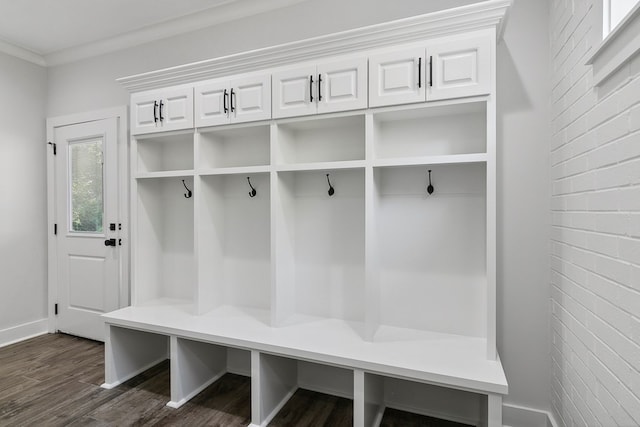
(86, 212)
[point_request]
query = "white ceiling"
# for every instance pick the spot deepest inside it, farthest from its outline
(51, 32)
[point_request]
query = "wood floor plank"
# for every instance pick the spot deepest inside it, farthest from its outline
(308, 408)
(397, 418)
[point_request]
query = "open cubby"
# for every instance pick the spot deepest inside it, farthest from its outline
(281, 377)
(196, 365)
(320, 241)
(321, 140)
(234, 244)
(431, 131)
(165, 152)
(442, 406)
(164, 254)
(432, 264)
(234, 146)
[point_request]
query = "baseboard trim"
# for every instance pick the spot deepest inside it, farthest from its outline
(23, 332)
(522, 416)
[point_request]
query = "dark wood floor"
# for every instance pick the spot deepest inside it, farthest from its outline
(54, 380)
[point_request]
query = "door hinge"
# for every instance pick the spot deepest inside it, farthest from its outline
(55, 229)
(55, 309)
(55, 148)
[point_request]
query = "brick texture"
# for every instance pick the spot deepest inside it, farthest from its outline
(595, 236)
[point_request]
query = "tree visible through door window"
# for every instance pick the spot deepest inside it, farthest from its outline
(86, 192)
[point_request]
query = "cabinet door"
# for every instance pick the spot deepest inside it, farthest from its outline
(343, 85)
(144, 112)
(459, 68)
(176, 111)
(251, 98)
(294, 92)
(397, 77)
(212, 106)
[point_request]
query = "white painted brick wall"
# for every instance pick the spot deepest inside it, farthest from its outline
(595, 237)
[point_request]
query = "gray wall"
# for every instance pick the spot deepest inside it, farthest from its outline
(523, 204)
(523, 193)
(23, 194)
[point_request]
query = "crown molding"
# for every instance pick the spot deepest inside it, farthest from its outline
(481, 15)
(24, 54)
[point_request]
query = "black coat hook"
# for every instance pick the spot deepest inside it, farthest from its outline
(188, 194)
(253, 191)
(430, 187)
(331, 189)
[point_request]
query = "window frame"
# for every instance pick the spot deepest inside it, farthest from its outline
(618, 47)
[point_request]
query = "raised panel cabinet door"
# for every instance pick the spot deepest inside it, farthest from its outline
(176, 111)
(251, 98)
(294, 92)
(459, 68)
(397, 77)
(342, 85)
(212, 103)
(144, 112)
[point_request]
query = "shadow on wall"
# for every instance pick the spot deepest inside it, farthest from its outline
(512, 98)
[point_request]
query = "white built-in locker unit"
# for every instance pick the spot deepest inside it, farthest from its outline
(325, 221)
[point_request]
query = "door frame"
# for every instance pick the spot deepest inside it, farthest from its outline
(121, 114)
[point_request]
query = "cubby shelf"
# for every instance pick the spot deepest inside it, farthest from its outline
(431, 160)
(238, 170)
(337, 165)
(165, 174)
(234, 146)
(161, 152)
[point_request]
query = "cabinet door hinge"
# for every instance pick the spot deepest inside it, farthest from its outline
(55, 309)
(55, 229)
(55, 148)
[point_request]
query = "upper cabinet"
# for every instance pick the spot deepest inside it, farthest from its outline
(459, 67)
(447, 68)
(162, 110)
(397, 77)
(235, 100)
(322, 88)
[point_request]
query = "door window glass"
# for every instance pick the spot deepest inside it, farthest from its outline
(86, 180)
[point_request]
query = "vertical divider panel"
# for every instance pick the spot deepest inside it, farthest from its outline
(491, 203)
(128, 352)
(273, 382)
(368, 404)
(134, 268)
(372, 287)
(200, 293)
(282, 250)
(194, 366)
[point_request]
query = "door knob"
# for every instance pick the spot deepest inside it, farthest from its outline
(110, 242)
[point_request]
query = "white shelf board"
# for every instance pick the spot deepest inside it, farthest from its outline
(442, 359)
(431, 160)
(345, 164)
(236, 170)
(165, 174)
